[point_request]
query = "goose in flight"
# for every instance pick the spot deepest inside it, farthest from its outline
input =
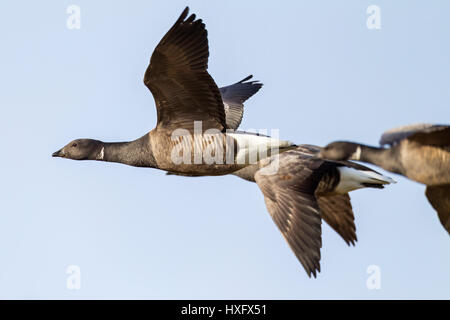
(191, 136)
(300, 190)
(304, 189)
(420, 152)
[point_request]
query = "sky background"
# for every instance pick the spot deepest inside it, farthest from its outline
(137, 233)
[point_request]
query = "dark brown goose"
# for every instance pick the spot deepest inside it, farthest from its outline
(305, 189)
(301, 190)
(191, 136)
(420, 152)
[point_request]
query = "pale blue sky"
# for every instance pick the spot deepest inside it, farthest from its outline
(136, 233)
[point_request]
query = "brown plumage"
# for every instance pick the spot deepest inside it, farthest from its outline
(299, 191)
(191, 119)
(439, 198)
(296, 213)
(177, 76)
(185, 94)
(427, 134)
(420, 152)
(337, 211)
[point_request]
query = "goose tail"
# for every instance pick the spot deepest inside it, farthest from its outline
(351, 179)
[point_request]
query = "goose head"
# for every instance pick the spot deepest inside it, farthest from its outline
(81, 149)
(340, 150)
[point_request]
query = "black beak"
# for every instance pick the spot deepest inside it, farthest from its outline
(57, 153)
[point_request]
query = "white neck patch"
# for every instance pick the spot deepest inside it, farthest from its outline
(101, 154)
(357, 154)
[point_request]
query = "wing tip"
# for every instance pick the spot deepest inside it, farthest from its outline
(351, 241)
(245, 79)
(253, 82)
(313, 271)
(185, 19)
(183, 14)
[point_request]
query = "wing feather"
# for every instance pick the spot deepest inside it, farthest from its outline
(429, 134)
(177, 76)
(234, 96)
(439, 197)
(337, 211)
(294, 210)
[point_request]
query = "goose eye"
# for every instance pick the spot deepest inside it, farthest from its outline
(74, 144)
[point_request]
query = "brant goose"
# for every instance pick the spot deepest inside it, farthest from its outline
(322, 185)
(191, 135)
(299, 190)
(420, 152)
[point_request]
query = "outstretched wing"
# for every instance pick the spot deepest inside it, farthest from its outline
(293, 207)
(177, 76)
(439, 197)
(337, 211)
(234, 96)
(429, 134)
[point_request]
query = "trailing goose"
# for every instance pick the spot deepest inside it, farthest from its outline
(299, 190)
(420, 152)
(191, 135)
(325, 183)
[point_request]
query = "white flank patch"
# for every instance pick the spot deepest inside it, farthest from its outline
(252, 148)
(352, 179)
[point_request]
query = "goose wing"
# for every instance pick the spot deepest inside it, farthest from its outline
(429, 134)
(234, 96)
(288, 189)
(177, 76)
(439, 197)
(337, 211)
